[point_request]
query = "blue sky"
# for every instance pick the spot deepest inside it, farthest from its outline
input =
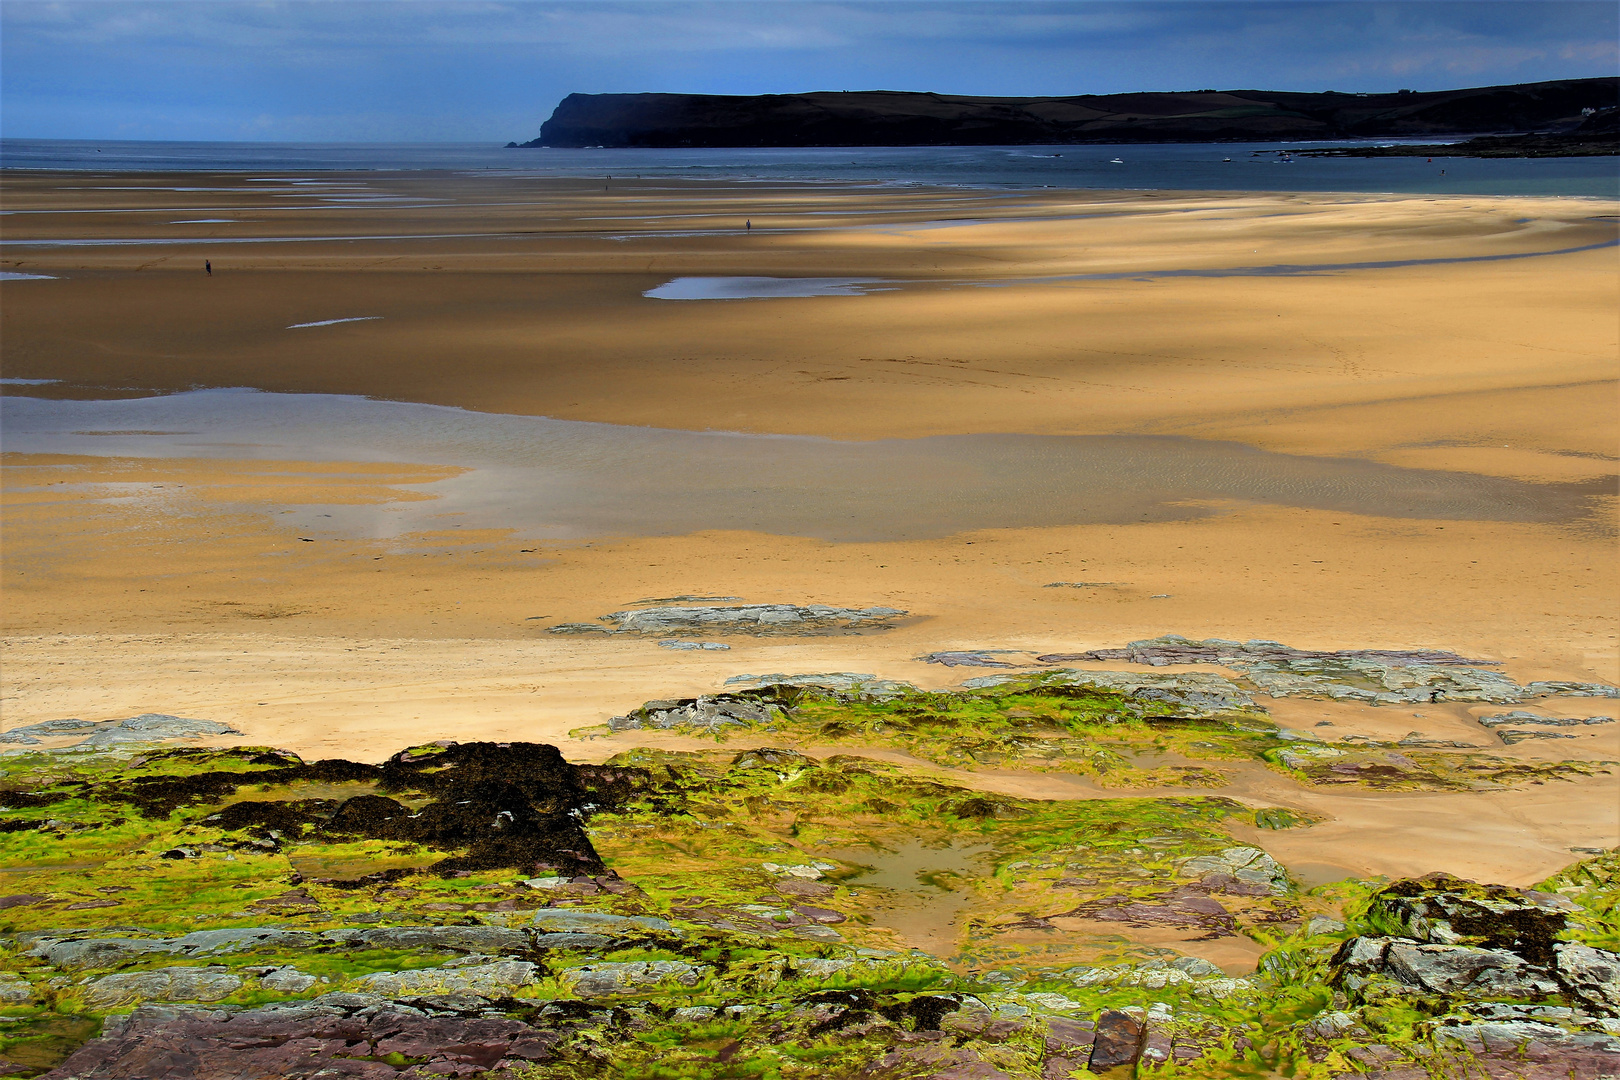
(486, 70)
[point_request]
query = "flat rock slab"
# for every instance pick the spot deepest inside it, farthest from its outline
(852, 683)
(162, 984)
(148, 727)
(757, 619)
(611, 979)
(1195, 694)
(1374, 676)
(302, 1041)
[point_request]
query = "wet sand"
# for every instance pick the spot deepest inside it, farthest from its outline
(341, 598)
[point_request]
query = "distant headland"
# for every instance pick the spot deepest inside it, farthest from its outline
(897, 118)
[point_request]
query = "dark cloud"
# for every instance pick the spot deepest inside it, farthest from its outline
(357, 70)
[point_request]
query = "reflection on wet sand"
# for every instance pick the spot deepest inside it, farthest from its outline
(927, 887)
(563, 478)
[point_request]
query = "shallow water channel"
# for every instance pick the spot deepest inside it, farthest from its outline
(925, 888)
(573, 479)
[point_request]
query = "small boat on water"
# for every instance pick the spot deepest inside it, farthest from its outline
(1115, 161)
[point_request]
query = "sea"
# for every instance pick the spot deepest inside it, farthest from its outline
(1171, 167)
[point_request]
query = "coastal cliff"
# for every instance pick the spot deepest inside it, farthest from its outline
(895, 118)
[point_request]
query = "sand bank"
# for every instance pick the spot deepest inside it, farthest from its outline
(335, 598)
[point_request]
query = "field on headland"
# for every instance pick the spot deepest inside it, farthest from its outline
(998, 431)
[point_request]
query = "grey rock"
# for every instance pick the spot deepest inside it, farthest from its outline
(850, 683)
(1196, 966)
(1328, 1025)
(1465, 970)
(49, 729)
(1448, 911)
(154, 727)
(573, 942)
(1321, 924)
(161, 984)
(674, 643)
(566, 921)
(611, 979)
(809, 967)
(577, 628)
(1194, 694)
(707, 714)
(490, 981)
(1571, 689)
(14, 989)
(491, 940)
(345, 1001)
(1589, 976)
(694, 1014)
(981, 658)
(78, 954)
(752, 619)
(148, 727)
(1175, 649)
(242, 938)
(1393, 684)
(1246, 864)
(1358, 962)
(1520, 717)
(288, 980)
(1512, 1037)
(1512, 735)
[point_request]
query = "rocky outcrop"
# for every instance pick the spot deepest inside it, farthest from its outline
(898, 118)
(616, 979)
(1529, 725)
(1390, 684)
(161, 984)
(88, 952)
(1374, 676)
(1194, 694)
(1571, 689)
(1451, 911)
(1236, 867)
(979, 658)
(482, 980)
(14, 989)
(755, 619)
(1175, 649)
(848, 684)
(551, 929)
(707, 714)
(146, 728)
(341, 1035)
(1459, 940)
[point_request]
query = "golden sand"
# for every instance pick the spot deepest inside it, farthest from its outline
(181, 585)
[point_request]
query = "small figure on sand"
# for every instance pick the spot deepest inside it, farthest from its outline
(208, 268)
(748, 225)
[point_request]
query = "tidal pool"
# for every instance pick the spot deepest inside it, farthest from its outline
(757, 288)
(572, 479)
(927, 888)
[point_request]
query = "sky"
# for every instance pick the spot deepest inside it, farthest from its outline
(492, 70)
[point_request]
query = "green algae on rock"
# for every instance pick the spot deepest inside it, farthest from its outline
(504, 913)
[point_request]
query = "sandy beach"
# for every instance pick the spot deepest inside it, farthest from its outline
(1445, 339)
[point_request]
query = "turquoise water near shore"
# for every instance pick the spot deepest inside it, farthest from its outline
(1174, 167)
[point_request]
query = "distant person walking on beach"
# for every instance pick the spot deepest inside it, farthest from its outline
(748, 225)
(208, 268)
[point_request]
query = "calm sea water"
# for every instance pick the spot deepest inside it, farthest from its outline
(1182, 166)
